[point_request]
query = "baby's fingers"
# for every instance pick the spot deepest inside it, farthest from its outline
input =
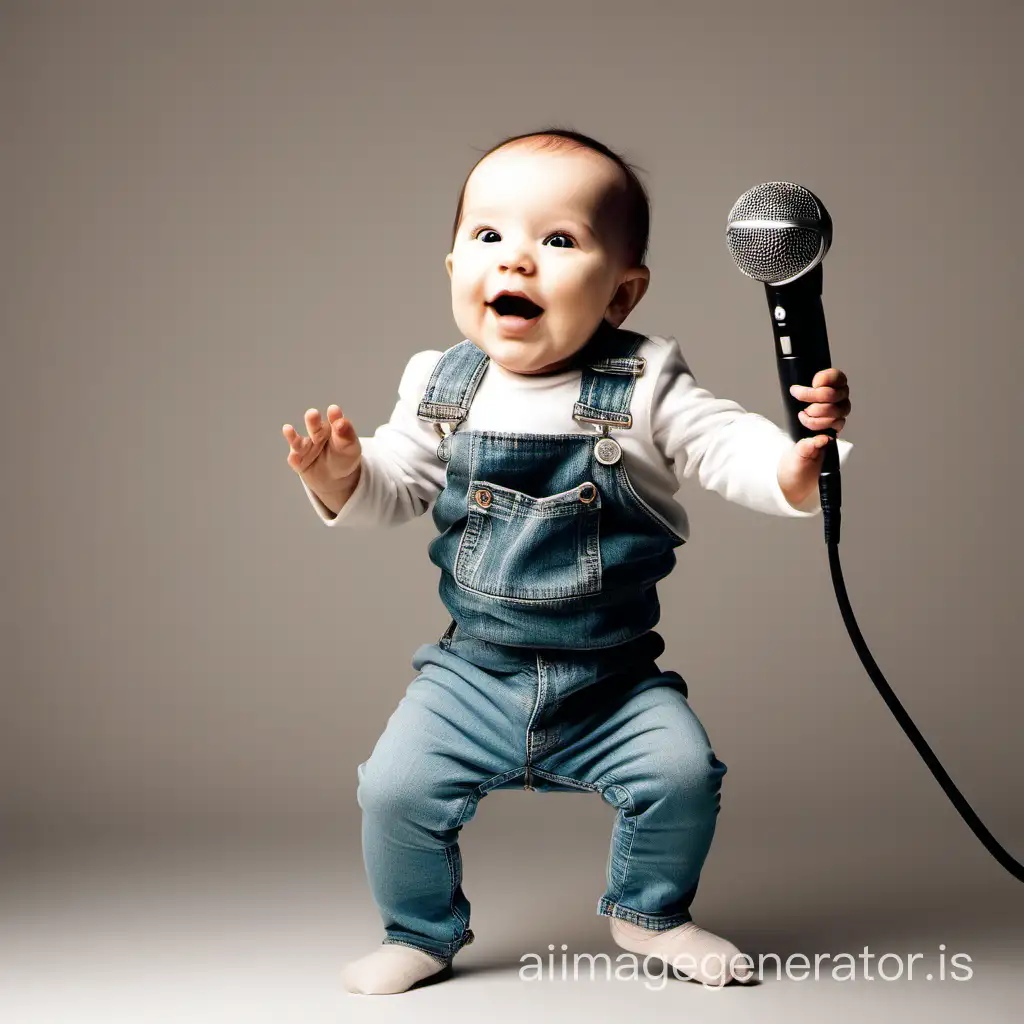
(315, 425)
(295, 440)
(343, 431)
(298, 444)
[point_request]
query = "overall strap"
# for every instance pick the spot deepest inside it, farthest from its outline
(609, 376)
(452, 385)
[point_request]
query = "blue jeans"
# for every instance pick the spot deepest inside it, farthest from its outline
(482, 716)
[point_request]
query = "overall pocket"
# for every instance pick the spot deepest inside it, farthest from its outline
(525, 549)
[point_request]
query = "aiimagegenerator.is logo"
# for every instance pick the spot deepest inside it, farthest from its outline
(655, 972)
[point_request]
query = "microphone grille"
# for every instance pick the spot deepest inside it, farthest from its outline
(778, 231)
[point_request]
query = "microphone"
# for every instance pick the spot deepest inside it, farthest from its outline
(778, 233)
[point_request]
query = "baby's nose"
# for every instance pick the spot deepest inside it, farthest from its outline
(516, 259)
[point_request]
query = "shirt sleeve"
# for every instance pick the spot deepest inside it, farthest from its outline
(733, 452)
(401, 474)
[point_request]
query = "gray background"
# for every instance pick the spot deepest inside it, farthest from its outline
(217, 215)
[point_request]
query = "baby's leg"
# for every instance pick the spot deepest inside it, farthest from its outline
(650, 757)
(419, 787)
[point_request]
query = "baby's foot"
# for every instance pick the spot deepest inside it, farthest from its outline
(390, 969)
(691, 950)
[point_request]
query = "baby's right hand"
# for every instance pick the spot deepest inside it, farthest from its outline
(329, 456)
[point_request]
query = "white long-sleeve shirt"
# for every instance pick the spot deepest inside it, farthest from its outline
(679, 429)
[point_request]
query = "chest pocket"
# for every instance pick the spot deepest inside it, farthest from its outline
(527, 549)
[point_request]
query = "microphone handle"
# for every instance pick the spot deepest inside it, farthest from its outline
(801, 341)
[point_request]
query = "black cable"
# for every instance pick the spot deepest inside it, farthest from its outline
(830, 501)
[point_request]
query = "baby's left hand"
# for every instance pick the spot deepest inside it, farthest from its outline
(800, 467)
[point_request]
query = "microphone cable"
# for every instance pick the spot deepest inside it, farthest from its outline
(830, 489)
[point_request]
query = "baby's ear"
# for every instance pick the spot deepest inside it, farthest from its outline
(448, 264)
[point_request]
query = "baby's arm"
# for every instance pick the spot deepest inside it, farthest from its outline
(399, 473)
(733, 452)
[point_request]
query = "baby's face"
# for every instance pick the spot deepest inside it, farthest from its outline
(543, 224)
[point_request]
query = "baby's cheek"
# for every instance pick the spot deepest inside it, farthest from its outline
(460, 298)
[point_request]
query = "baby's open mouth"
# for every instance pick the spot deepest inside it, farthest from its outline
(516, 305)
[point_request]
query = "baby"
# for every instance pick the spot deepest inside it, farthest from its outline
(550, 443)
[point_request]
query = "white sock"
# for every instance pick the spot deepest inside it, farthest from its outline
(391, 968)
(688, 949)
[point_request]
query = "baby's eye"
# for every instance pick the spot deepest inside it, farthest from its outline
(562, 234)
(490, 231)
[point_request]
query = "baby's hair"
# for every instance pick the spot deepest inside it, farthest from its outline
(636, 212)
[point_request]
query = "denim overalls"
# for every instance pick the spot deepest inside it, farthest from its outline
(546, 678)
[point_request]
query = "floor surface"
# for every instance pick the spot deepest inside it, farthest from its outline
(234, 933)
